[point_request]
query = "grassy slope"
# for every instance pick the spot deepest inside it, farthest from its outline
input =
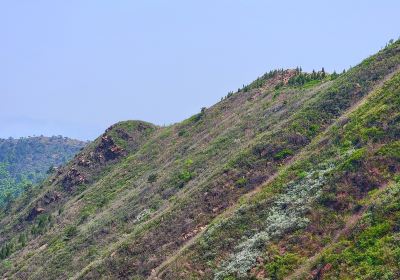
(187, 147)
(361, 153)
(133, 214)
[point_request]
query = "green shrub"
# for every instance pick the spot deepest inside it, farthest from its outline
(70, 232)
(281, 265)
(372, 133)
(42, 223)
(22, 239)
(372, 234)
(186, 175)
(313, 129)
(6, 250)
(283, 154)
(241, 182)
(391, 150)
(354, 160)
(182, 132)
(301, 174)
(152, 178)
(198, 117)
(57, 245)
(307, 79)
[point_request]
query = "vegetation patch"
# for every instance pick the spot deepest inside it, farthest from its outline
(287, 213)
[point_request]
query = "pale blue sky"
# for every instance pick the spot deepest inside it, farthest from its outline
(74, 67)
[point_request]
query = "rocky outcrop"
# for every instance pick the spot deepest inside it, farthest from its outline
(72, 178)
(51, 197)
(34, 213)
(107, 150)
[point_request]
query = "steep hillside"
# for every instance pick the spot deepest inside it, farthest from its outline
(26, 161)
(294, 176)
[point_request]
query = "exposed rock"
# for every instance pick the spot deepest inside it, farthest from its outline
(107, 150)
(72, 178)
(34, 213)
(82, 161)
(189, 235)
(50, 197)
(327, 267)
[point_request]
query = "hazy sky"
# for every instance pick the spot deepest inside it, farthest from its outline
(76, 67)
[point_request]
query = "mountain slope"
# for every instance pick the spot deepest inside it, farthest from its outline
(26, 160)
(314, 201)
(259, 185)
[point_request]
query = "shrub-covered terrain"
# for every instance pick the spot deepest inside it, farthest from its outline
(296, 175)
(27, 161)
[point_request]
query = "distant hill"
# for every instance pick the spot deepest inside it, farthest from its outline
(294, 176)
(27, 160)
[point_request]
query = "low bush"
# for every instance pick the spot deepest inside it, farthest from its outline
(280, 265)
(283, 154)
(242, 182)
(70, 232)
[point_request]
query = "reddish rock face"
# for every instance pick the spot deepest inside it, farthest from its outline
(327, 267)
(108, 149)
(282, 77)
(72, 178)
